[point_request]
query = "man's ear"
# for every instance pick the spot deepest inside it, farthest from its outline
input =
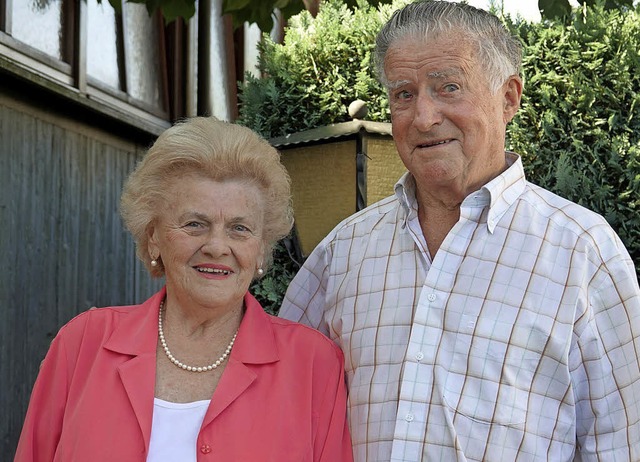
(512, 91)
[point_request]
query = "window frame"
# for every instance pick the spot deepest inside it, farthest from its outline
(70, 80)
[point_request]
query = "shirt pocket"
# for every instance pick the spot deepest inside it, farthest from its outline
(486, 381)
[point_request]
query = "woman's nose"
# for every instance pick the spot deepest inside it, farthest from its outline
(216, 243)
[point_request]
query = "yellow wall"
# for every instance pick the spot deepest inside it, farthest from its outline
(323, 183)
(384, 167)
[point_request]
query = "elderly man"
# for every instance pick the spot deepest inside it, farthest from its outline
(482, 317)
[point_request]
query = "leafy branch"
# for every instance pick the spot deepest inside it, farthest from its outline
(262, 12)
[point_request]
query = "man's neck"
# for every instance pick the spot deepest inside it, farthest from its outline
(437, 217)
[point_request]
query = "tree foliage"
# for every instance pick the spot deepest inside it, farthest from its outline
(251, 11)
(170, 9)
(561, 9)
(262, 12)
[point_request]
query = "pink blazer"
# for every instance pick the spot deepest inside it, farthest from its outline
(281, 398)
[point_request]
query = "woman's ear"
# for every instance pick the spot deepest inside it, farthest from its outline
(152, 243)
(512, 91)
(261, 257)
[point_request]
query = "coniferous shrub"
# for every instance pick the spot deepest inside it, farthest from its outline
(578, 129)
(323, 65)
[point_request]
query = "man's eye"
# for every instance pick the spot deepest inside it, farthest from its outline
(403, 95)
(451, 87)
(193, 224)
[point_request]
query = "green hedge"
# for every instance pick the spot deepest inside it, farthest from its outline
(579, 126)
(578, 129)
(323, 65)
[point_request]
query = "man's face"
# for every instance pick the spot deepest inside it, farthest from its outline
(448, 126)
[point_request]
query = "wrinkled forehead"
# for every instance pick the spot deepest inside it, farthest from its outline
(449, 37)
(447, 57)
(414, 47)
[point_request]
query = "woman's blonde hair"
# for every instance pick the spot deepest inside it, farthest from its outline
(217, 150)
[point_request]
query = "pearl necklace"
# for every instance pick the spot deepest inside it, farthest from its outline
(210, 367)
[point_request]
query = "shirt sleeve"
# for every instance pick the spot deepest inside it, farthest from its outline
(605, 364)
(332, 442)
(43, 422)
(305, 299)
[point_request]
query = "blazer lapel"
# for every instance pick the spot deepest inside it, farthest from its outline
(234, 382)
(137, 337)
(255, 344)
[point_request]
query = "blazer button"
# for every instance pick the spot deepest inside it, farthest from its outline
(205, 449)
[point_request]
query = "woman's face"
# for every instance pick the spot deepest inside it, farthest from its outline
(209, 237)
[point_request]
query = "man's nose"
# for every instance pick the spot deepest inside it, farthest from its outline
(427, 113)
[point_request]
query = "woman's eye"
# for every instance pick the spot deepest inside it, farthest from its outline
(193, 224)
(240, 228)
(451, 87)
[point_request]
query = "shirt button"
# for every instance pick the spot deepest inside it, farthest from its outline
(419, 356)
(432, 297)
(408, 417)
(205, 449)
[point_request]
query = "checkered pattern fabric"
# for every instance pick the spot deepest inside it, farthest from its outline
(520, 341)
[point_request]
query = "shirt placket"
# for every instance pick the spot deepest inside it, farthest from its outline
(416, 384)
(417, 378)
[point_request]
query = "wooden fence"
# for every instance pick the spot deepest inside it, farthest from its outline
(62, 245)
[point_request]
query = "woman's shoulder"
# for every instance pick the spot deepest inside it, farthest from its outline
(290, 337)
(99, 316)
(94, 324)
(295, 335)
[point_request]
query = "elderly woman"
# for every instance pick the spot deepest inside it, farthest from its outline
(199, 371)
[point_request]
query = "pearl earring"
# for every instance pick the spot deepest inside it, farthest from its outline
(154, 262)
(260, 271)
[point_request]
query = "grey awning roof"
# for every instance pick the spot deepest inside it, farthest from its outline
(332, 131)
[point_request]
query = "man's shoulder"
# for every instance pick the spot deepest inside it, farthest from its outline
(383, 212)
(563, 212)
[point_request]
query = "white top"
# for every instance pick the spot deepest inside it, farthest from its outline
(175, 429)
(520, 341)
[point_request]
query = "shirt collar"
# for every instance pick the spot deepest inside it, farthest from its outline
(137, 333)
(137, 330)
(498, 194)
(405, 191)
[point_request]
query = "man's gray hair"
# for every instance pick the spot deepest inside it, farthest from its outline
(498, 50)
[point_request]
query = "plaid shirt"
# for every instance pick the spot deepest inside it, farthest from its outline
(520, 341)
